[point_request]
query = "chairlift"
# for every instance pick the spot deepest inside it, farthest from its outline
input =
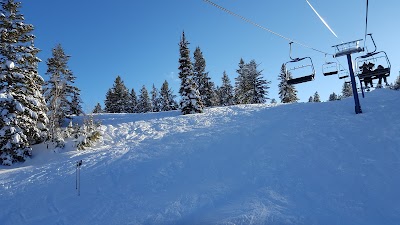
(329, 68)
(373, 65)
(342, 72)
(297, 67)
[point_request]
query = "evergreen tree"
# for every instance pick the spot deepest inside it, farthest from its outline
(316, 97)
(310, 99)
(23, 119)
(118, 98)
(250, 88)
(202, 80)
(273, 101)
(240, 83)
(97, 109)
(191, 101)
(396, 85)
(144, 103)
(226, 91)
(62, 97)
(75, 106)
(133, 102)
(287, 92)
(155, 100)
(347, 90)
(333, 97)
(167, 98)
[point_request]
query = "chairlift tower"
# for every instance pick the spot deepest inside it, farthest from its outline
(346, 49)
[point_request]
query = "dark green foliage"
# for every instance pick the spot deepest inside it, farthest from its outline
(287, 92)
(167, 98)
(311, 99)
(202, 80)
(133, 102)
(191, 101)
(347, 90)
(155, 99)
(333, 97)
(97, 109)
(226, 95)
(118, 99)
(250, 86)
(316, 97)
(23, 119)
(144, 103)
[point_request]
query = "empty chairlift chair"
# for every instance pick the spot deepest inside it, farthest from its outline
(299, 70)
(329, 68)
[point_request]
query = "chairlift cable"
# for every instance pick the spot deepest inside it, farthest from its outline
(264, 28)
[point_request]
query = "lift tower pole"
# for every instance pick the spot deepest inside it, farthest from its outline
(346, 49)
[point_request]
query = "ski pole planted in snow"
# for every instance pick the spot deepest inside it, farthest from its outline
(78, 176)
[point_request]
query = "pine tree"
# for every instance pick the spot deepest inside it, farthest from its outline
(240, 83)
(347, 90)
(316, 97)
(62, 97)
(97, 109)
(396, 85)
(191, 101)
(155, 99)
(75, 106)
(250, 87)
(167, 98)
(133, 102)
(287, 92)
(310, 99)
(118, 98)
(226, 91)
(144, 103)
(201, 79)
(23, 109)
(333, 97)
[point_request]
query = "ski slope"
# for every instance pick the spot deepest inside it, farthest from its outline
(303, 163)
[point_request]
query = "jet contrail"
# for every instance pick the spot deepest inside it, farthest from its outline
(322, 19)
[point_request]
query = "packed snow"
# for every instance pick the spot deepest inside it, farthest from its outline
(303, 163)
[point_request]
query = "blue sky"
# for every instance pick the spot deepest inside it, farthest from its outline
(138, 40)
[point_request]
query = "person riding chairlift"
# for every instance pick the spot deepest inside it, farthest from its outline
(380, 67)
(365, 69)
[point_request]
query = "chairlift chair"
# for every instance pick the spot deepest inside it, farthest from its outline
(373, 65)
(342, 72)
(329, 68)
(297, 67)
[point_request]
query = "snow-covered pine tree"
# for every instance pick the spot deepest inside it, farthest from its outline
(240, 83)
(333, 97)
(287, 92)
(316, 97)
(117, 98)
(155, 99)
(226, 91)
(23, 119)
(258, 86)
(347, 90)
(310, 99)
(201, 79)
(97, 109)
(62, 97)
(167, 98)
(75, 106)
(133, 102)
(191, 101)
(144, 102)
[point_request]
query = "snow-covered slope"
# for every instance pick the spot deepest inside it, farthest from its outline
(304, 163)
